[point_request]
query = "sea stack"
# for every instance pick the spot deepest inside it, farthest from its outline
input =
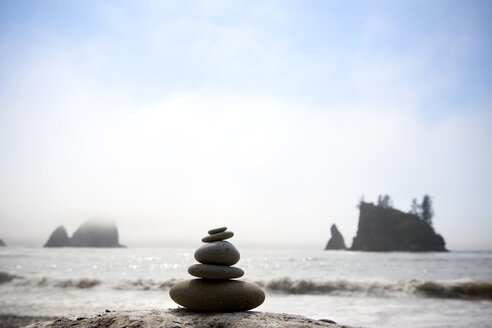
(214, 290)
(385, 229)
(58, 238)
(336, 241)
(96, 233)
(92, 233)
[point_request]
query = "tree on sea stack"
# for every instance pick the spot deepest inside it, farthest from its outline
(427, 211)
(361, 200)
(385, 201)
(414, 207)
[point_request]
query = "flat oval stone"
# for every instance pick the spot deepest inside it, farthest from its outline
(217, 230)
(218, 236)
(217, 252)
(217, 295)
(213, 271)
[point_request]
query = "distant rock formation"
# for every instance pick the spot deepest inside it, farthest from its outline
(336, 241)
(2, 243)
(388, 229)
(93, 233)
(58, 238)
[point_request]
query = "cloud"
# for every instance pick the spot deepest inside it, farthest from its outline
(202, 159)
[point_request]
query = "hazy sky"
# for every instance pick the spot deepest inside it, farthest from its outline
(270, 117)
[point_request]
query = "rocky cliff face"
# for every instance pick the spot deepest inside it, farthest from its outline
(388, 229)
(336, 241)
(2, 243)
(92, 233)
(58, 238)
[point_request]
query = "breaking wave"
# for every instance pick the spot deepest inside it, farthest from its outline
(6, 277)
(13, 280)
(472, 290)
(440, 289)
(476, 290)
(21, 281)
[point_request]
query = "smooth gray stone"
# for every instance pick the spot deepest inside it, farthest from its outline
(217, 230)
(217, 295)
(218, 236)
(213, 271)
(217, 252)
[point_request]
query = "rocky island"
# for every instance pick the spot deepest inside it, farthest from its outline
(387, 229)
(2, 243)
(92, 233)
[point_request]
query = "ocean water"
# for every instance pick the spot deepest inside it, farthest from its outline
(353, 288)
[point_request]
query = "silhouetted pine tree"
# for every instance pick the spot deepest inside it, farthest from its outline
(427, 211)
(385, 201)
(361, 200)
(414, 207)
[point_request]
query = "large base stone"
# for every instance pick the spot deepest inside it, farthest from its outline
(217, 295)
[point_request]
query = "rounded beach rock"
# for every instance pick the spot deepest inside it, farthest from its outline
(217, 295)
(218, 236)
(217, 252)
(213, 271)
(217, 230)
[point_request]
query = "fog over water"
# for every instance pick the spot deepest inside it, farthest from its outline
(271, 118)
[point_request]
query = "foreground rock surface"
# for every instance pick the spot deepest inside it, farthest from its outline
(177, 318)
(15, 321)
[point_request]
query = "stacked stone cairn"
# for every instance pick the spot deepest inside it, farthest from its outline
(214, 290)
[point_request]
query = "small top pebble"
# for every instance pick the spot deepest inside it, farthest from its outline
(217, 230)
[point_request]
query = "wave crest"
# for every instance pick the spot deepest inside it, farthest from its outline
(473, 290)
(6, 277)
(448, 289)
(145, 284)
